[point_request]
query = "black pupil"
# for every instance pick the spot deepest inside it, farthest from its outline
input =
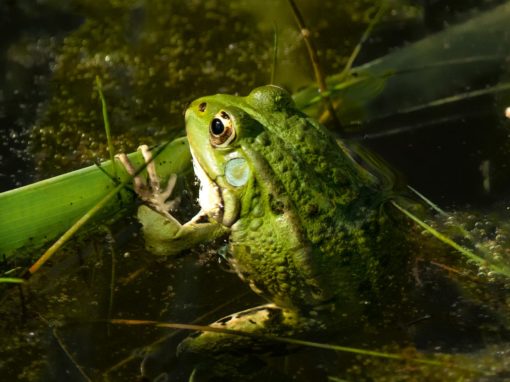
(217, 127)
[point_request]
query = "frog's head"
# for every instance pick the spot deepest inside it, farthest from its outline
(217, 126)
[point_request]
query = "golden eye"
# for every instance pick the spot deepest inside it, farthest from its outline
(221, 130)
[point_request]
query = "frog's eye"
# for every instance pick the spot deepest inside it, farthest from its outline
(221, 130)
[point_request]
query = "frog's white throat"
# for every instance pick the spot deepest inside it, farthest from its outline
(210, 198)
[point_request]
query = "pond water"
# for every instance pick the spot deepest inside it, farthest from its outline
(154, 57)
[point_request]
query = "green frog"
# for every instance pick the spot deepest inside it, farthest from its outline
(309, 228)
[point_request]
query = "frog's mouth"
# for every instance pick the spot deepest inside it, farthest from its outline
(217, 203)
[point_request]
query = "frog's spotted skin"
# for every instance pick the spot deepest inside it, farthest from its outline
(306, 225)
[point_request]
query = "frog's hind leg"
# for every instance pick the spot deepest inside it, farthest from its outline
(223, 354)
(262, 320)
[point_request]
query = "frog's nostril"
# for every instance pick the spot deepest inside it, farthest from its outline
(202, 106)
(186, 105)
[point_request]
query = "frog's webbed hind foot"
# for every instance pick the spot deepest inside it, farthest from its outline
(151, 192)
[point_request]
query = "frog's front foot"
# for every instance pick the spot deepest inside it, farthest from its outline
(163, 233)
(151, 192)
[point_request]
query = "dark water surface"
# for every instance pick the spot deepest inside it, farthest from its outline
(154, 57)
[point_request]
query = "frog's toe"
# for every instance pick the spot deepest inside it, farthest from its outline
(138, 182)
(151, 168)
(159, 197)
(150, 191)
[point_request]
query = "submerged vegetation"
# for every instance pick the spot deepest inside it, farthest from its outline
(152, 61)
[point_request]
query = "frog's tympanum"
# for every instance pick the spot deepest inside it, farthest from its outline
(309, 228)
